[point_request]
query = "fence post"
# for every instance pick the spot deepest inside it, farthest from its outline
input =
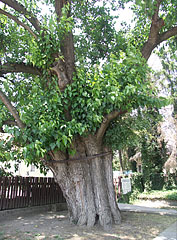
(119, 186)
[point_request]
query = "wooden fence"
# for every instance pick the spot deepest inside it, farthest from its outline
(17, 192)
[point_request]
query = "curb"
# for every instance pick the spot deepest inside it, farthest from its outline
(169, 234)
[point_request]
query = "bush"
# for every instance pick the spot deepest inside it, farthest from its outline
(137, 182)
(157, 181)
(162, 194)
(170, 181)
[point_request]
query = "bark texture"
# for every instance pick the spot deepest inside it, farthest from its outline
(87, 184)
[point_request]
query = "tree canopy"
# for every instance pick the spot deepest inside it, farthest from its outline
(66, 71)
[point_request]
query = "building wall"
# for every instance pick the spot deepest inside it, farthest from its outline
(27, 171)
(31, 171)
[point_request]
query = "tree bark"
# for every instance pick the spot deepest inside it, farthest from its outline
(87, 185)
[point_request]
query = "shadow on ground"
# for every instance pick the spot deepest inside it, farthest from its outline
(56, 225)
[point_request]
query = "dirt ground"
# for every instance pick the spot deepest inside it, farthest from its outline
(55, 225)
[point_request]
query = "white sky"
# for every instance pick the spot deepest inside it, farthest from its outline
(154, 62)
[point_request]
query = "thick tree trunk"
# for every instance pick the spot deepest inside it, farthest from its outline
(88, 184)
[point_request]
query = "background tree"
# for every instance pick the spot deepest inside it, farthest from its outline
(167, 79)
(65, 75)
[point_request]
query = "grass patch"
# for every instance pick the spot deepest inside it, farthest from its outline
(160, 194)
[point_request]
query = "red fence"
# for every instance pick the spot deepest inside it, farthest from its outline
(17, 192)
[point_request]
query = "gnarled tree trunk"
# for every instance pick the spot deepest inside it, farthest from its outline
(87, 183)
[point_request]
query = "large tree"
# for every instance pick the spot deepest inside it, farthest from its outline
(65, 74)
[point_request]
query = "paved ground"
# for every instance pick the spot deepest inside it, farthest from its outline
(170, 233)
(135, 208)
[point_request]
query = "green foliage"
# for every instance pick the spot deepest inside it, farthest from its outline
(4, 172)
(170, 181)
(153, 159)
(168, 75)
(137, 182)
(97, 37)
(92, 94)
(163, 194)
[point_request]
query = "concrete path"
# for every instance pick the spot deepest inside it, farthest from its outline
(170, 233)
(135, 208)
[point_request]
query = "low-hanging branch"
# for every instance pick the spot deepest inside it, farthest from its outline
(22, 10)
(18, 67)
(11, 109)
(105, 123)
(18, 22)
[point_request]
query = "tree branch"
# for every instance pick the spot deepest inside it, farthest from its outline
(155, 16)
(156, 25)
(21, 9)
(58, 6)
(18, 22)
(155, 38)
(168, 34)
(107, 119)
(11, 109)
(18, 67)
(67, 43)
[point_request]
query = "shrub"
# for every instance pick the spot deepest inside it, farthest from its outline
(171, 181)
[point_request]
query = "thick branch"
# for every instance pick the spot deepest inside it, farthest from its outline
(155, 16)
(67, 44)
(168, 34)
(58, 7)
(18, 67)
(154, 37)
(11, 109)
(21, 9)
(156, 25)
(107, 119)
(18, 22)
